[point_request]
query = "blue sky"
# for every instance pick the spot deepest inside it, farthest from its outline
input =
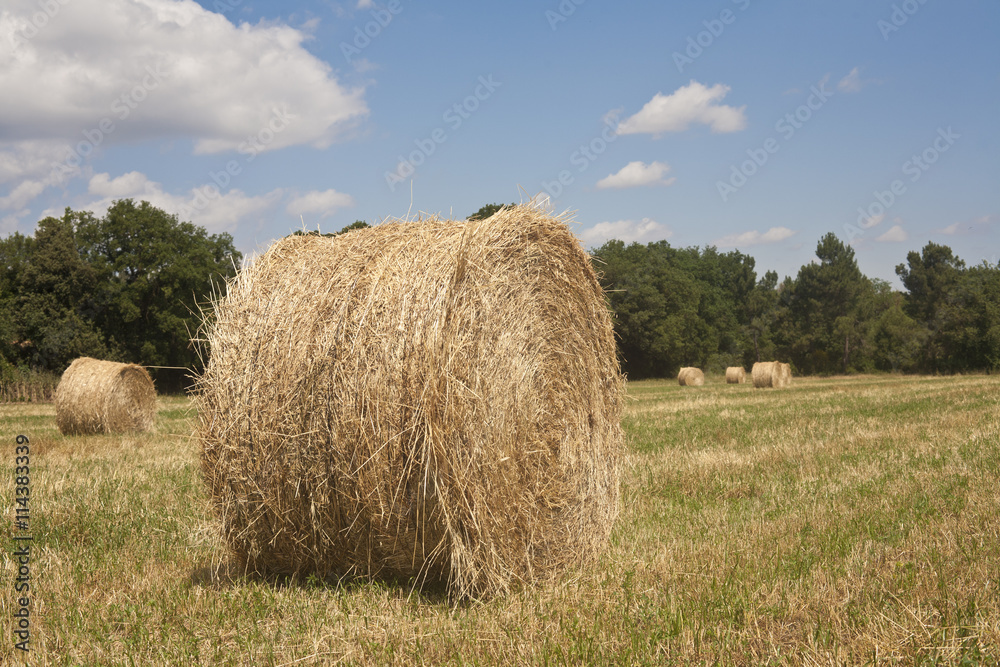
(735, 123)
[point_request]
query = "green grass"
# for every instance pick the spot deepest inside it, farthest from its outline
(841, 521)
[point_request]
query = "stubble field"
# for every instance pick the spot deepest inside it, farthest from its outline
(841, 521)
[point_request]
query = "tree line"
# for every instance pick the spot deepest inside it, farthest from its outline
(679, 307)
(134, 284)
(128, 286)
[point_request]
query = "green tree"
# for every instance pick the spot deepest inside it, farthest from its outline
(357, 224)
(826, 308)
(54, 299)
(970, 320)
(154, 275)
(896, 339)
(674, 307)
(761, 311)
(15, 251)
(487, 210)
(931, 278)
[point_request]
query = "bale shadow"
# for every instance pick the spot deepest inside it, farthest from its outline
(230, 575)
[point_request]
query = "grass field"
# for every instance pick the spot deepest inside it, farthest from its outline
(841, 521)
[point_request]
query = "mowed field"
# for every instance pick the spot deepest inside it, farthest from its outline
(841, 521)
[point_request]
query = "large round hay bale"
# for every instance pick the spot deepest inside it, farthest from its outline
(736, 375)
(690, 377)
(434, 400)
(96, 396)
(763, 374)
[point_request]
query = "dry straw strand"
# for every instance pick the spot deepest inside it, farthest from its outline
(736, 375)
(97, 396)
(432, 400)
(690, 377)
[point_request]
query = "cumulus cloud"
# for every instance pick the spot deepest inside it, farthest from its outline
(746, 239)
(325, 203)
(690, 104)
(636, 174)
(365, 4)
(205, 205)
(128, 70)
(894, 234)
(21, 195)
(629, 231)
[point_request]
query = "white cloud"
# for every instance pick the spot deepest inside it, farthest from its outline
(850, 83)
(366, 4)
(694, 103)
(20, 196)
(636, 174)
(205, 206)
(894, 234)
(126, 185)
(967, 226)
(324, 202)
(28, 159)
(148, 69)
(629, 231)
(873, 221)
(746, 239)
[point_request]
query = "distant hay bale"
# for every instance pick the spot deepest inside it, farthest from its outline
(434, 401)
(736, 375)
(772, 374)
(691, 377)
(762, 374)
(96, 396)
(786, 375)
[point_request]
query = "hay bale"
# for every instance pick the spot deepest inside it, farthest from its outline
(762, 374)
(773, 374)
(786, 374)
(691, 377)
(435, 400)
(96, 396)
(736, 375)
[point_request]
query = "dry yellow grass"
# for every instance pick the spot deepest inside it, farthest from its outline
(849, 519)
